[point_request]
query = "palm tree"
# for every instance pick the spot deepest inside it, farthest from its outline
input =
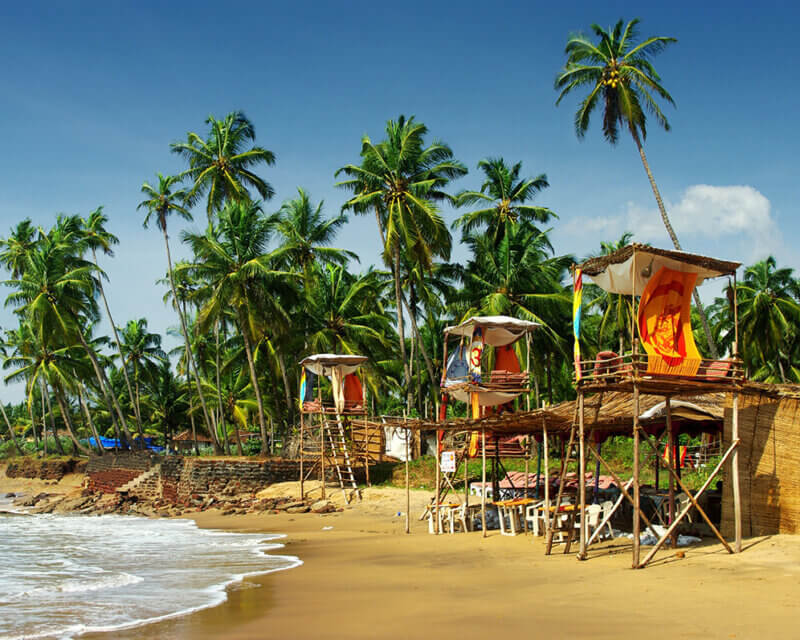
(142, 351)
(400, 179)
(98, 238)
(768, 315)
(231, 261)
(165, 400)
(502, 200)
(17, 246)
(160, 203)
(221, 165)
(619, 75)
(306, 234)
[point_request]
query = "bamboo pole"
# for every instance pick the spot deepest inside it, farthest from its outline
(733, 448)
(546, 477)
(636, 493)
(737, 498)
(693, 500)
(581, 479)
(466, 474)
(408, 486)
(323, 426)
(438, 486)
(366, 447)
(302, 433)
(671, 462)
(483, 482)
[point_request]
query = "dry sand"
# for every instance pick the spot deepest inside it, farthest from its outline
(365, 578)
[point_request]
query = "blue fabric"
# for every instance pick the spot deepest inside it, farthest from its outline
(457, 367)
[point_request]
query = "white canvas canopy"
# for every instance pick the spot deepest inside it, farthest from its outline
(628, 270)
(485, 398)
(324, 364)
(498, 330)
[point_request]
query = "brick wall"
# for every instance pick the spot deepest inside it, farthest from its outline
(109, 472)
(27, 467)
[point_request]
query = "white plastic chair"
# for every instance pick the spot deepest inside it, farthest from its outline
(592, 515)
(683, 502)
(534, 516)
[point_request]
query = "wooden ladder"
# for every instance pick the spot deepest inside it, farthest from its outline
(344, 471)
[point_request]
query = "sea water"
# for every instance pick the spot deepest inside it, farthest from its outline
(65, 575)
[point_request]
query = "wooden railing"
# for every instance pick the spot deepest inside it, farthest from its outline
(615, 369)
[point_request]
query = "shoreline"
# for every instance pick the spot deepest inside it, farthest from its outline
(365, 578)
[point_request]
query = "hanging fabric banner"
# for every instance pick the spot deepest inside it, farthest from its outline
(576, 318)
(665, 323)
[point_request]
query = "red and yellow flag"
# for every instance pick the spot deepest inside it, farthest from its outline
(665, 326)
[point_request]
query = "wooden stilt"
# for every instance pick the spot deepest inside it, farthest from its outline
(483, 482)
(366, 449)
(733, 448)
(321, 439)
(737, 498)
(671, 462)
(436, 499)
(636, 494)
(466, 474)
(546, 446)
(581, 479)
(302, 435)
(408, 486)
(564, 461)
(527, 466)
(693, 500)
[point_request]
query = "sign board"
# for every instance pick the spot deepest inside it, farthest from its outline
(448, 463)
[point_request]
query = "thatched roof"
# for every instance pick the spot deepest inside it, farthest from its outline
(186, 436)
(595, 266)
(610, 412)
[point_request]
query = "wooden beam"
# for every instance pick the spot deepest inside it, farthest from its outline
(437, 499)
(686, 509)
(694, 503)
(737, 498)
(546, 478)
(636, 493)
(671, 458)
(408, 487)
(581, 480)
(483, 482)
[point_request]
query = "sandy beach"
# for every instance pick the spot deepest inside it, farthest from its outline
(363, 577)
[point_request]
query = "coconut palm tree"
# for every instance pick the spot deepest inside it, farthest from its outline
(160, 203)
(141, 350)
(16, 247)
(502, 200)
(165, 399)
(232, 263)
(768, 316)
(97, 237)
(617, 72)
(221, 165)
(400, 180)
(306, 234)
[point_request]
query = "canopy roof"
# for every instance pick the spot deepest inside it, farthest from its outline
(499, 330)
(627, 270)
(324, 363)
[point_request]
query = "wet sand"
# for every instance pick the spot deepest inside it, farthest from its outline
(366, 578)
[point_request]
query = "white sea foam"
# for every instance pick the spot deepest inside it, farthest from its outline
(69, 575)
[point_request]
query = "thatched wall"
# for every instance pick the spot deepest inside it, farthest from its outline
(769, 465)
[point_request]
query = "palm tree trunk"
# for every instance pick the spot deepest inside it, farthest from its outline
(220, 416)
(105, 387)
(712, 347)
(191, 420)
(400, 325)
(422, 349)
(30, 409)
(253, 379)
(33, 423)
(44, 417)
(62, 404)
(59, 447)
(119, 348)
(85, 407)
(286, 389)
(185, 332)
(11, 430)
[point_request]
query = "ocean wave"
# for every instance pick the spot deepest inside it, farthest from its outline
(79, 585)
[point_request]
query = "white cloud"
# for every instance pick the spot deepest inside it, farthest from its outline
(705, 218)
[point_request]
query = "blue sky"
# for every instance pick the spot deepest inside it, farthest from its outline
(93, 93)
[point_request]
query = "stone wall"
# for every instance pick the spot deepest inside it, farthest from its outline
(109, 472)
(28, 467)
(185, 478)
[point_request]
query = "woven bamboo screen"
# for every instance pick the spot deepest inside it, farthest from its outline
(769, 466)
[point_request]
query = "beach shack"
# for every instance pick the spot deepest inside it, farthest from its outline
(327, 420)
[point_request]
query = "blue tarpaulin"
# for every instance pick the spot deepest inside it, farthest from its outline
(113, 443)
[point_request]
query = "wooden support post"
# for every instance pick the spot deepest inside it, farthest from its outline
(527, 466)
(693, 500)
(737, 498)
(564, 460)
(483, 481)
(466, 474)
(733, 448)
(545, 444)
(436, 499)
(323, 426)
(408, 486)
(636, 494)
(302, 435)
(581, 479)
(366, 449)
(671, 462)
